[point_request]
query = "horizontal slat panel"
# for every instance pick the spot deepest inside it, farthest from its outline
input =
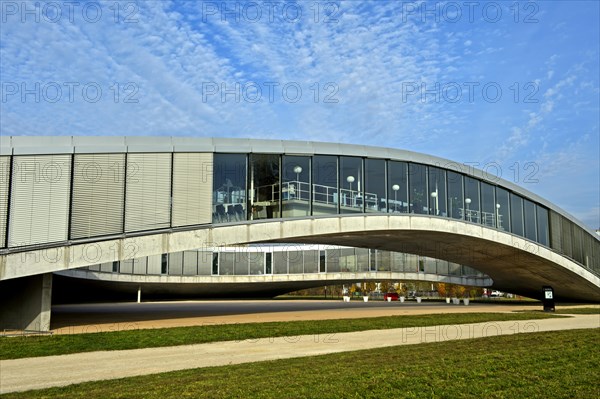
(192, 188)
(39, 206)
(148, 192)
(4, 179)
(98, 195)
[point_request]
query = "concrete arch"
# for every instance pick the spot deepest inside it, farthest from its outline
(514, 264)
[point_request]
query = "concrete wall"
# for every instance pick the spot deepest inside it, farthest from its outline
(26, 303)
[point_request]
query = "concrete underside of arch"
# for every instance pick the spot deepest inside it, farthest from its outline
(515, 264)
(85, 285)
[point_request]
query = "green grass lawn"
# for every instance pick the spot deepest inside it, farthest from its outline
(19, 347)
(560, 364)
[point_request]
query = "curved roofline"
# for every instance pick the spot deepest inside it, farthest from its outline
(30, 145)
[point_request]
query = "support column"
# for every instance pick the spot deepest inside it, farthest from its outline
(25, 303)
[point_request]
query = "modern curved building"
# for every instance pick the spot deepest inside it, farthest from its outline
(75, 202)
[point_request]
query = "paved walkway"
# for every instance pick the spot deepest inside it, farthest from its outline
(44, 372)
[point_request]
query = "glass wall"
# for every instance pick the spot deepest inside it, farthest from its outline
(298, 186)
(472, 204)
(348, 261)
(351, 185)
(311, 261)
(333, 260)
(325, 183)
(295, 262)
(417, 180)
(240, 262)
(384, 261)
(530, 222)
(264, 186)
(516, 214)
(362, 259)
(295, 186)
(397, 200)
(280, 264)
(256, 261)
(455, 195)
(543, 231)
(226, 263)
(437, 192)
(229, 188)
(240, 268)
(488, 205)
(502, 209)
(375, 185)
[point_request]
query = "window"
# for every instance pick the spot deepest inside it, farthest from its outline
(164, 264)
(455, 195)
(268, 263)
(417, 179)
(437, 191)
(295, 186)
(264, 186)
(397, 200)
(542, 225)
(502, 209)
(488, 205)
(229, 188)
(472, 206)
(516, 215)
(325, 185)
(215, 264)
(351, 185)
(530, 222)
(322, 261)
(375, 185)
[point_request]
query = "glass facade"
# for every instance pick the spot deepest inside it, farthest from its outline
(516, 214)
(298, 186)
(397, 200)
(472, 203)
(325, 185)
(488, 205)
(296, 260)
(264, 189)
(502, 209)
(351, 185)
(375, 194)
(542, 225)
(455, 195)
(229, 188)
(419, 197)
(295, 186)
(437, 192)
(529, 214)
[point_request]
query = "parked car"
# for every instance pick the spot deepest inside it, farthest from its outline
(496, 293)
(393, 295)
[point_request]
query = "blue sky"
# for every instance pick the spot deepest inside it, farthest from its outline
(513, 84)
